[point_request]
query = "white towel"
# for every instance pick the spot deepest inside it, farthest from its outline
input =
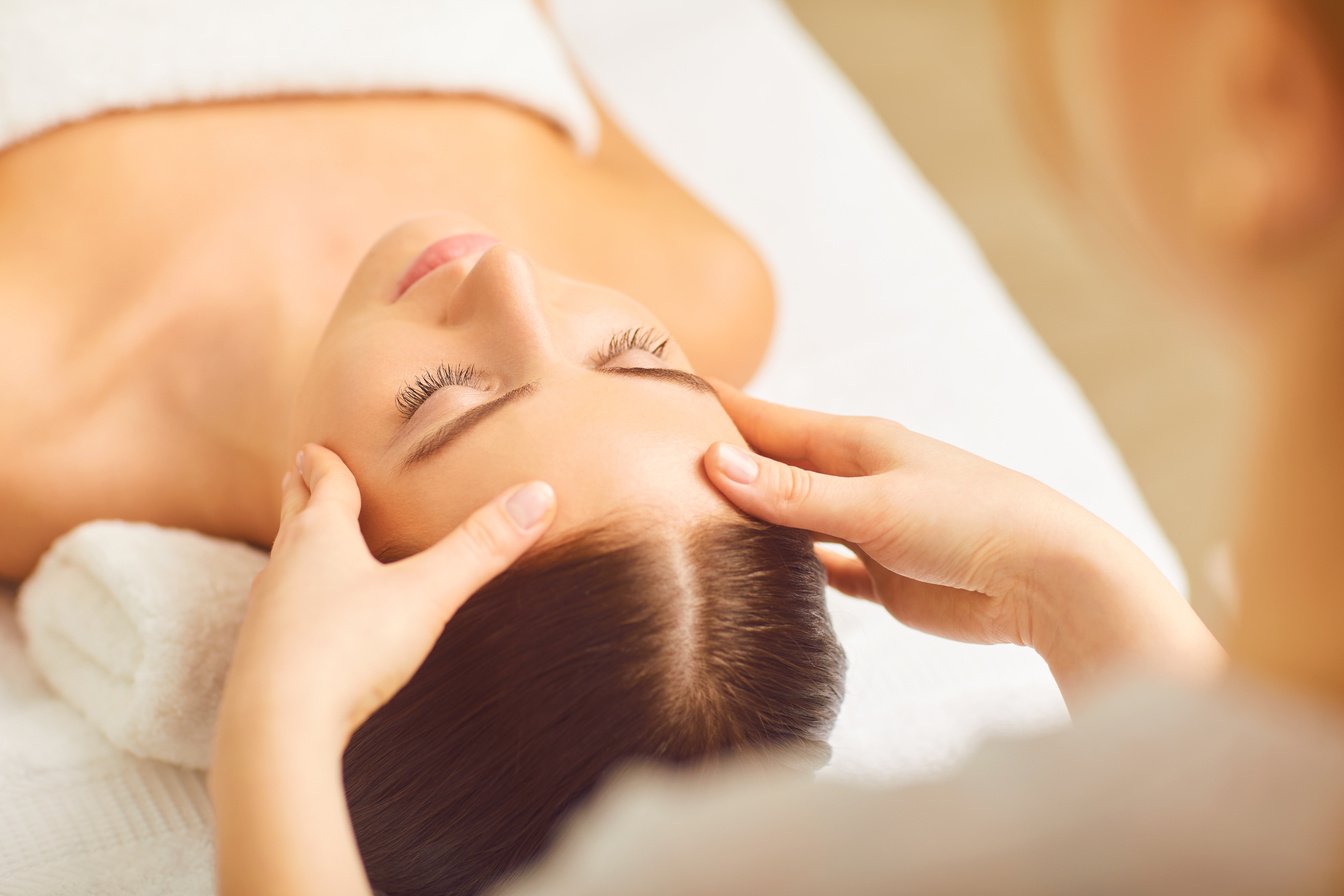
(69, 60)
(79, 816)
(134, 625)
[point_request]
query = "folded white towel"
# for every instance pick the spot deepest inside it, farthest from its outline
(135, 625)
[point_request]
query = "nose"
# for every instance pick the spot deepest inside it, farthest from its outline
(502, 294)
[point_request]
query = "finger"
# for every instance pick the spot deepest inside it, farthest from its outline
(949, 612)
(826, 443)
(822, 538)
(486, 544)
(846, 574)
(847, 508)
(329, 480)
(293, 495)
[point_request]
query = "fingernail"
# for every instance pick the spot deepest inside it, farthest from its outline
(530, 503)
(737, 464)
(284, 480)
(298, 460)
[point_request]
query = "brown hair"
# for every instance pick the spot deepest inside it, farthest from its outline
(590, 653)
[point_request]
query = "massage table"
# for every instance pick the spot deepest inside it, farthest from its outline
(885, 307)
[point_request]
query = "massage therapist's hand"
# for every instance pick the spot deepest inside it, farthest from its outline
(330, 635)
(957, 546)
(331, 632)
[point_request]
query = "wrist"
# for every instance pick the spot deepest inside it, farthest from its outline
(252, 755)
(263, 718)
(281, 821)
(1101, 603)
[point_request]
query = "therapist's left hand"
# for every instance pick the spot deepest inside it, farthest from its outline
(331, 633)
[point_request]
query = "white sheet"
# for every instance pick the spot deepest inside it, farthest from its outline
(885, 308)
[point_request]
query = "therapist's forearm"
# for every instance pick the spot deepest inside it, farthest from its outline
(281, 820)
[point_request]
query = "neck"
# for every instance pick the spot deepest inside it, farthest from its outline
(241, 401)
(218, 351)
(1292, 544)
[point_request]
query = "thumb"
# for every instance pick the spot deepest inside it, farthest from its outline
(842, 507)
(328, 480)
(482, 547)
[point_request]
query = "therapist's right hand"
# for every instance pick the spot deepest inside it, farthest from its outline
(957, 546)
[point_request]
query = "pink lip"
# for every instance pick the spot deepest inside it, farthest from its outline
(442, 252)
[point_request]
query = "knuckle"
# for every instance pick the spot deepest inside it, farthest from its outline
(303, 525)
(324, 480)
(794, 486)
(317, 468)
(890, 427)
(483, 534)
(868, 425)
(334, 491)
(1004, 624)
(875, 442)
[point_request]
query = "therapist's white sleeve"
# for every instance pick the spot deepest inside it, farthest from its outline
(1156, 789)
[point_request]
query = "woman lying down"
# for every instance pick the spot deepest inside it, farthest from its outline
(181, 315)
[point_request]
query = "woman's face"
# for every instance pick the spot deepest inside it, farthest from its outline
(446, 376)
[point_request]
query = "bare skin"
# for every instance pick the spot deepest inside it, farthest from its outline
(165, 276)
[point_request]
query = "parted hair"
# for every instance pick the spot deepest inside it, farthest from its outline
(677, 647)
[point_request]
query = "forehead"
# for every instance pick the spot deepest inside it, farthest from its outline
(608, 445)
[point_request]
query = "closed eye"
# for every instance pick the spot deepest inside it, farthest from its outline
(456, 428)
(426, 384)
(417, 392)
(645, 339)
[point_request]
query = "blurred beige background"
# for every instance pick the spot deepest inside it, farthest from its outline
(1162, 386)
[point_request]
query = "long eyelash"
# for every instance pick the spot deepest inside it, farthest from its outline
(414, 394)
(426, 384)
(644, 339)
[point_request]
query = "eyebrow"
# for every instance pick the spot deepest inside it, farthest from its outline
(460, 425)
(667, 374)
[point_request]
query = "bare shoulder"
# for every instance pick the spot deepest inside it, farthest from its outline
(57, 467)
(734, 309)
(51, 481)
(665, 247)
(669, 250)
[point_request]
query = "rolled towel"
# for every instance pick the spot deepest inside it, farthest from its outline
(135, 625)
